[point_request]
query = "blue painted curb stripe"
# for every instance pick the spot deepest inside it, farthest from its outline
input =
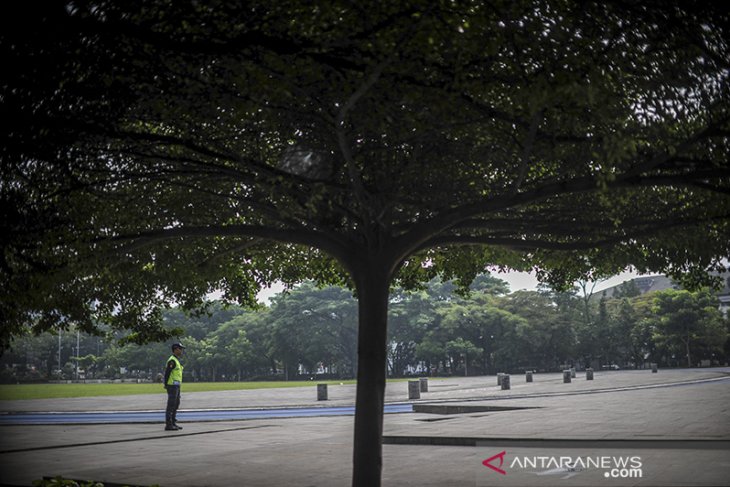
(185, 415)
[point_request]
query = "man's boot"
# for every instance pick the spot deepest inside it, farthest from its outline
(170, 423)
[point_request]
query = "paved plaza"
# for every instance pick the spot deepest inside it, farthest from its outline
(624, 428)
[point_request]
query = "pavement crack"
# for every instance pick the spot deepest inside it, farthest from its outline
(128, 440)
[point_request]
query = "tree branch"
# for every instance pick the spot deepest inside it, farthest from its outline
(422, 233)
(520, 243)
(356, 181)
(526, 151)
(328, 243)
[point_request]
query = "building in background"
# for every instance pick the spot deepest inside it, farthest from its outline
(647, 284)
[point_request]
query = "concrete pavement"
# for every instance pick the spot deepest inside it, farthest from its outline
(672, 428)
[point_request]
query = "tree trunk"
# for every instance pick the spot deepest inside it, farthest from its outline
(274, 369)
(372, 288)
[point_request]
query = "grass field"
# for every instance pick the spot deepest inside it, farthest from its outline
(53, 391)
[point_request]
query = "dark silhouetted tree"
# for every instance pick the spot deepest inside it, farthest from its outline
(154, 152)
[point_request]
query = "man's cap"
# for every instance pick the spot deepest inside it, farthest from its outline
(177, 345)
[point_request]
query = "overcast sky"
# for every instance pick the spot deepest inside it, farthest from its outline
(523, 280)
(517, 281)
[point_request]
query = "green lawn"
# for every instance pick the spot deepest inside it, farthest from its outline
(52, 391)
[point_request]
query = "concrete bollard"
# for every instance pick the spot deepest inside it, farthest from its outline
(566, 377)
(589, 374)
(414, 389)
(528, 376)
(424, 384)
(654, 368)
(505, 382)
(572, 372)
(499, 378)
(321, 392)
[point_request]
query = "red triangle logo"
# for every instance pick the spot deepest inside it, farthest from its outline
(488, 462)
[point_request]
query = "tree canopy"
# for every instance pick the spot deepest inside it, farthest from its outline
(157, 151)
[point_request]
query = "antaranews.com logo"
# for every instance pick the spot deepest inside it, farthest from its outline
(613, 467)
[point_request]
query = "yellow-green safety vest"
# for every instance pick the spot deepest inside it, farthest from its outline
(176, 373)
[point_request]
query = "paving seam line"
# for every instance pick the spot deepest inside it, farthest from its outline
(128, 440)
(659, 444)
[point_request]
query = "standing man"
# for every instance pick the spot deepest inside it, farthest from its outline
(173, 380)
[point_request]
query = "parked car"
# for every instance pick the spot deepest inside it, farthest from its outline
(610, 367)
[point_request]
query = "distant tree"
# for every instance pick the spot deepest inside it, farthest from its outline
(239, 351)
(235, 346)
(489, 284)
(586, 292)
(432, 350)
(605, 340)
(40, 351)
(150, 357)
(622, 322)
(411, 315)
(208, 355)
(258, 332)
(549, 336)
(627, 289)
(689, 324)
(193, 358)
(89, 363)
(462, 350)
(313, 326)
(247, 349)
(727, 342)
(491, 331)
(198, 325)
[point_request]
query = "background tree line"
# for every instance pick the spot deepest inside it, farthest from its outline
(437, 330)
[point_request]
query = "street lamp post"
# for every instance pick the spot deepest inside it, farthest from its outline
(78, 352)
(59, 354)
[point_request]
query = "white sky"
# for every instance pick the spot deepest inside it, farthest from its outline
(527, 281)
(517, 281)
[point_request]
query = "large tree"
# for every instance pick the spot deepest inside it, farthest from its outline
(686, 323)
(314, 326)
(156, 151)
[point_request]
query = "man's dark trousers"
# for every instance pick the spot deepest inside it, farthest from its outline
(173, 402)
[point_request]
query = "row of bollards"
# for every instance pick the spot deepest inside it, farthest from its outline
(504, 381)
(416, 387)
